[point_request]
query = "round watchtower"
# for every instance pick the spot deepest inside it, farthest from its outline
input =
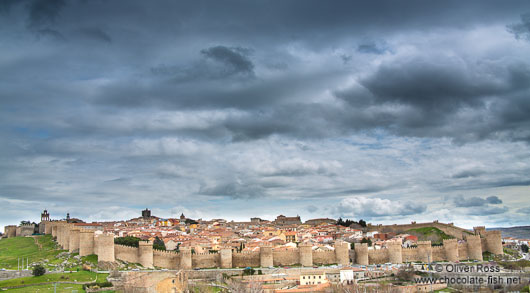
(395, 252)
(105, 251)
(474, 247)
(86, 242)
(265, 256)
(66, 236)
(306, 254)
(47, 227)
(361, 253)
(226, 258)
(185, 258)
(54, 230)
(451, 249)
(74, 241)
(494, 242)
(424, 251)
(342, 252)
(10, 231)
(145, 253)
(60, 234)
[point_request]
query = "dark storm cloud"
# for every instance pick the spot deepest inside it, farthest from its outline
(521, 30)
(175, 96)
(373, 47)
(95, 34)
(487, 210)
(236, 59)
(234, 189)
(461, 201)
(468, 174)
(44, 12)
(426, 96)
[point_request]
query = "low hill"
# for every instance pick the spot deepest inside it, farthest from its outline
(40, 250)
(432, 234)
(520, 232)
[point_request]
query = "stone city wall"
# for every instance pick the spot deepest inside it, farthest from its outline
(448, 229)
(86, 242)
(205, 260)
(324, 257)
(286, 257)
(245, 259)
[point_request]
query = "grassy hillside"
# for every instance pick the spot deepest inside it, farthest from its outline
(36, 249)
(432, 234)
(39, 249)
(82, 276)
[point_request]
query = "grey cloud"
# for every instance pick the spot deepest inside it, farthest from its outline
(234, 82)
(95, 34)
(235, 58)
(311, 208)
(461, 201)
(493, 200)
(359, 206)
(50, 33)
(521, 30)
(487, 210)
(468, 174)
(44, 12)
(233, 189)
(524, 210)
(373, 47)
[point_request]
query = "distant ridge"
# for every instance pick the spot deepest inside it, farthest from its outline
(521, 232)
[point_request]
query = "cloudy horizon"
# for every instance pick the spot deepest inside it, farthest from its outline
(385, 111)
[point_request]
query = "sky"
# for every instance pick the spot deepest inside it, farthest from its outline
(387, 111)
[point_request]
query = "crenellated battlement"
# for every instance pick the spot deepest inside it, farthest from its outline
(162, 252)
(449, 241)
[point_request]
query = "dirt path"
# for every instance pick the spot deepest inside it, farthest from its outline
(37, 242)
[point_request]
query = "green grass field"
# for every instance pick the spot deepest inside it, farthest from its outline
(26, 247)
(62, 288)
(83, 276)
(433, 234)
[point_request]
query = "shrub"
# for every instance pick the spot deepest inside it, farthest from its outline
(39, 270)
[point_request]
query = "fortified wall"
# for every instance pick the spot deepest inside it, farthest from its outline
(86, 242)
(449, 229)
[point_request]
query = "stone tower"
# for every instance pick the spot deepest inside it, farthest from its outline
(54, 229)
(185, 258)
(60, 234)
(451, 249)
(425, 251)
(265, 256)
(10, 231)
(342, 252)
(145, 253)
(226, 258)
(146, 213)
(395, 252)
(494, 242)
(73, 246)
(47, 227)
(361, 253)
(474, 247)
(105, 247)
(66, 236)
(306, 254)
(86, 242)
(44, 216)
(479, 230)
